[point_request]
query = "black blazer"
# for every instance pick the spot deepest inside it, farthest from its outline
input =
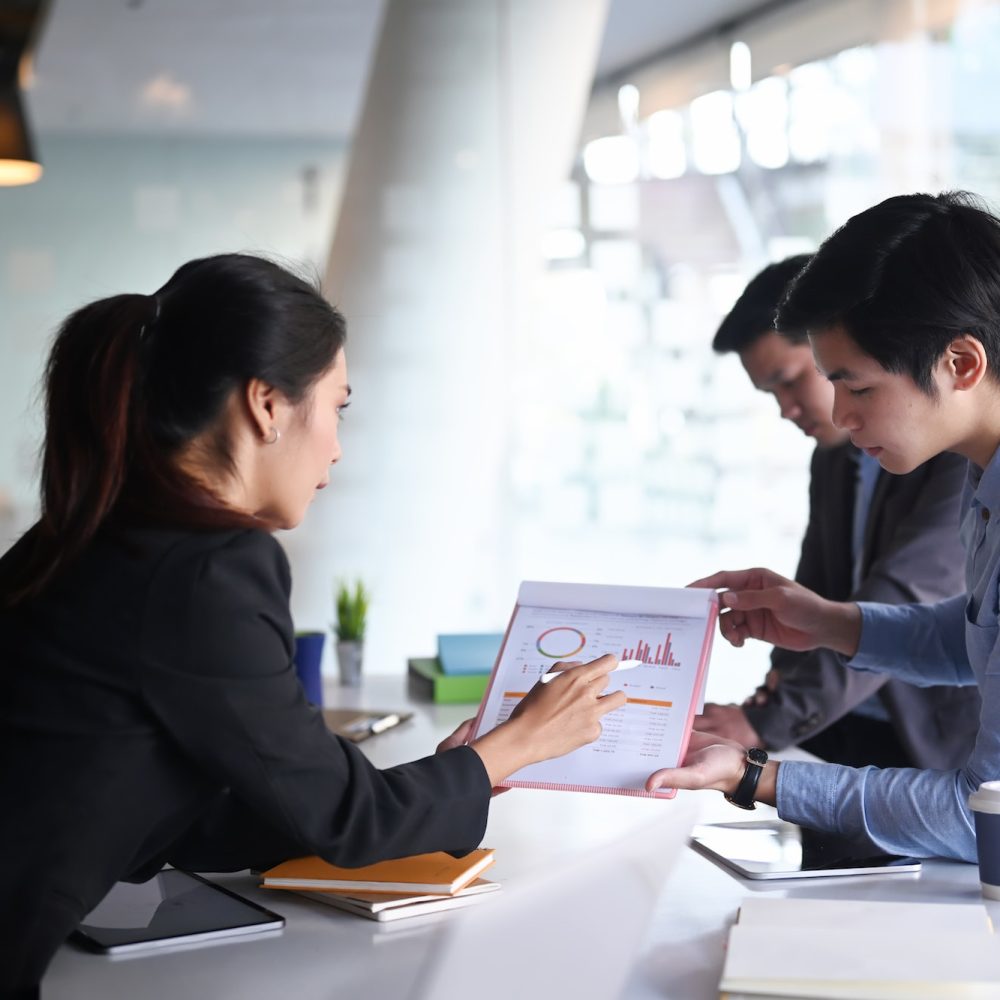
(151, 713)
(911, 553)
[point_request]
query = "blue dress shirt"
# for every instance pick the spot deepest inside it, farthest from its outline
(904, 810)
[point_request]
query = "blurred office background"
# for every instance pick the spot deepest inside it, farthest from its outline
(534, 214)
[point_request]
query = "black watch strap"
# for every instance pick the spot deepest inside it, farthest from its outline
(747, 788)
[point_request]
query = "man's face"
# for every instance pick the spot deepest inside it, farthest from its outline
(886, 414)
(788, 372)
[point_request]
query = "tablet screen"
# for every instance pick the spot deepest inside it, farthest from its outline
(767, 849)
(171, 908)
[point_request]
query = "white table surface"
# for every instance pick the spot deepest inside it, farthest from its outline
(324, 953)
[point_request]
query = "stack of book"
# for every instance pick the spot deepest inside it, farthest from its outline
(389, 890)
(459, 673)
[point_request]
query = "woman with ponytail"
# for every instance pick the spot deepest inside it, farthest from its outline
(150, 712)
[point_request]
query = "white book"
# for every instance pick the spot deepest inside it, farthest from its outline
(384, 907)
(864, 915)
(861, 950)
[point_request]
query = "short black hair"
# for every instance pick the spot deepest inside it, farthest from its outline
(903, 279)
(753, 314)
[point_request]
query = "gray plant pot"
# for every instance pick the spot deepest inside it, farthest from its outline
(350, 654)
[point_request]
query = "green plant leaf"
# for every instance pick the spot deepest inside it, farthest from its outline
(352, 610)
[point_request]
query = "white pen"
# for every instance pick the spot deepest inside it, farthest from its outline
(622, 665)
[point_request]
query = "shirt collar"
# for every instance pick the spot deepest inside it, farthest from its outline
(985, 483)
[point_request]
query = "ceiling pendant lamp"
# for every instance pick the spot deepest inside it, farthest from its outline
(20, 26)
(18, 162)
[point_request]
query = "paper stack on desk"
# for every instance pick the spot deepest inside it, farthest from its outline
(831, 949)
(389, 890)
(388, 906)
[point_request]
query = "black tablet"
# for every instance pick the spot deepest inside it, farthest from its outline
(172, 908)
(773, 849)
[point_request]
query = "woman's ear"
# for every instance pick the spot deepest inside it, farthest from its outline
(264, 405)
(965, 362)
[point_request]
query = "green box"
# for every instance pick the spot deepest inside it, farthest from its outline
(427, 682)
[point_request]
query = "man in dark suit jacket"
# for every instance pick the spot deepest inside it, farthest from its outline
(871, 536)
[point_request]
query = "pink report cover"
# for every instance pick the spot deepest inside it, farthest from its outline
(668, 629)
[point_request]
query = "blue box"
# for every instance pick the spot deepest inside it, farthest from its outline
(469, 652)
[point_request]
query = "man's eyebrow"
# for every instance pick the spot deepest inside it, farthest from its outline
(840, 374)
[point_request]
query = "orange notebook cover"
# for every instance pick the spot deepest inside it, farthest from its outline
(438, 873)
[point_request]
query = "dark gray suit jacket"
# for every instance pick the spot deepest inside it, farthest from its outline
(911, 553)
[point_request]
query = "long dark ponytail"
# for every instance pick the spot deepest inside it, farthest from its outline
(133, 378)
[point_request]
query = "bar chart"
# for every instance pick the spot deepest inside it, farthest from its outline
(643, 651)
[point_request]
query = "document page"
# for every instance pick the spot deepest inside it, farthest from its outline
(669, 630)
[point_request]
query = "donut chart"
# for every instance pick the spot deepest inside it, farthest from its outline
(561, 641)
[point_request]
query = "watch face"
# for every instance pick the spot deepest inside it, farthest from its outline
(756, 756)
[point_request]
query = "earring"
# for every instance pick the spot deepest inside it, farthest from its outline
(274, 437)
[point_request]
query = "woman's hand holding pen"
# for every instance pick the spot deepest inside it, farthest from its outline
(760, 604)
(552, 719)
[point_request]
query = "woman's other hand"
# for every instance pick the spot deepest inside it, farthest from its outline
(458, 738)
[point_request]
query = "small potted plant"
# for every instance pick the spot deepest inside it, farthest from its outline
(352, 614)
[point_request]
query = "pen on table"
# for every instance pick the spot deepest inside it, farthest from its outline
(622, 665)
(373, 726)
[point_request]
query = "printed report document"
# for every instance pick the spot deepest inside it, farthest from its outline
(668, 629)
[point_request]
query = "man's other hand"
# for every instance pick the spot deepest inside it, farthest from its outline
(729, 722)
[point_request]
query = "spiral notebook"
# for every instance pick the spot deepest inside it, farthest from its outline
(669, 630)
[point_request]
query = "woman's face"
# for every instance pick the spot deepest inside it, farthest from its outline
(298, 463)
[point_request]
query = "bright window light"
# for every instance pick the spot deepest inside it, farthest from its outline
(763, 114)
(666, 154)
(856, 67)
(611, 160)
(740, 66)
(811, 112)
(715, 145)
(563, 244)
(628, 104)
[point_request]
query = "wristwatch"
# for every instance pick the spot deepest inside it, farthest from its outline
(745, 790)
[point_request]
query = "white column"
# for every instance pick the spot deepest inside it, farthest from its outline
(472, 116)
